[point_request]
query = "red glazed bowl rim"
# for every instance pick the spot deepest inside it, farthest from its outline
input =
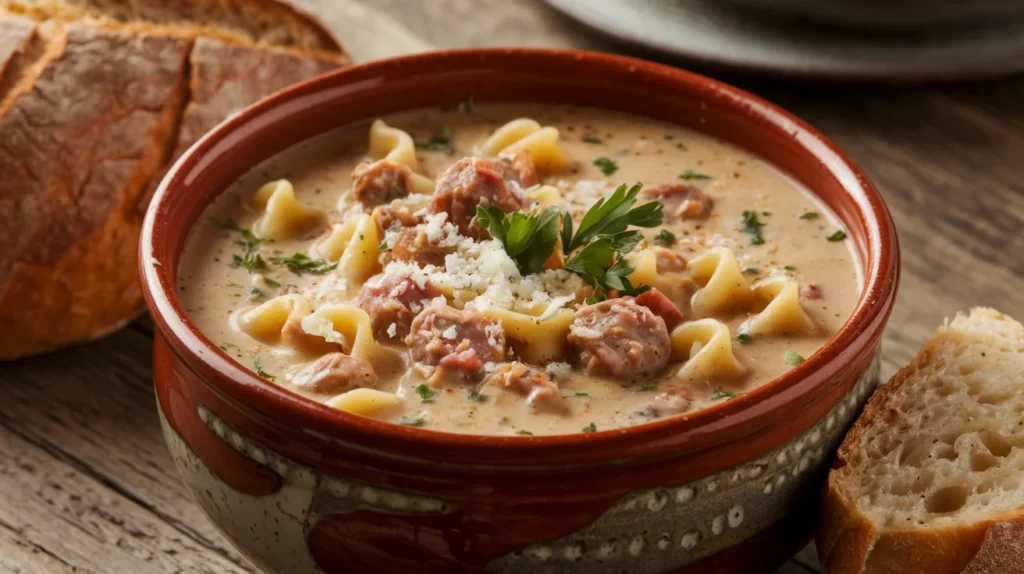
(696, 431)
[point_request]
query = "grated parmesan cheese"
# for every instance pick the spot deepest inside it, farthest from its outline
(558, 371)
(323, 327)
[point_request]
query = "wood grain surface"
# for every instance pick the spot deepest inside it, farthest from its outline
(86, 481)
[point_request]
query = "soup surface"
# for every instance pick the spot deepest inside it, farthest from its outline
(430, 277)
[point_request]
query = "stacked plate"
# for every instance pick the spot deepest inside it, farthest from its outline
(889, 40)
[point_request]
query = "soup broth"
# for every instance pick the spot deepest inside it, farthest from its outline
(428, 276)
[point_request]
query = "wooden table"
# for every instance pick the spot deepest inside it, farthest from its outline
(86, 483)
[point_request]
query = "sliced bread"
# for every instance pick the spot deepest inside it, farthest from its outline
(97, 100)
(930, 479)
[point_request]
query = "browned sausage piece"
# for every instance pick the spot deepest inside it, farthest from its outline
(472, 181)
(392, 216)
(334, 373)
(657, 302)
(520, 168)
(393, 302)
(682, 201)
(528, 382)
(413, 245)
(380, 182)
(620, 338)
(456, 341)
(669, 261)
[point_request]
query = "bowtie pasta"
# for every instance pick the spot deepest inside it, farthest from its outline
(518, 270)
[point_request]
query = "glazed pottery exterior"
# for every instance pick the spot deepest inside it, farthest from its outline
(301, 488)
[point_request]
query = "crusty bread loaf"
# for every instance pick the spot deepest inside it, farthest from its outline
(97, 99)
(930, 480)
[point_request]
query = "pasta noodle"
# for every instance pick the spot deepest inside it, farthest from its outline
(539, 142)
(783, 314)
(355, 245)
(365, 402)
(645, 268)
(267, 322)
(547, 196)
(725, 289)
(706, 346)
(537, 339)
(284, 216)
(396, 145)
(349, 326)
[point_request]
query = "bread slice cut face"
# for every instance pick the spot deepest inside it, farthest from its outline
(931, 477)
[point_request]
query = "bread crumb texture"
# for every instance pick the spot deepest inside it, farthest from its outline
(97, 98)
(931, 477)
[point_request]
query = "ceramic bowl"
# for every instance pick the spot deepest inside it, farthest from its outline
(301, 488)
(893, 13)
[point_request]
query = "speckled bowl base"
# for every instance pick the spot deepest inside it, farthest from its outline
(675, 526)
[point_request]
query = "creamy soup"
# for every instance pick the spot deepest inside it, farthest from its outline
(470, 270)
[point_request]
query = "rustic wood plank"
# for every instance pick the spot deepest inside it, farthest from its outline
(93, 408)
(77, 521)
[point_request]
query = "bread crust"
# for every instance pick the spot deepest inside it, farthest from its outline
(278, 23)
(849, 542)
(91, 116)
(73, 163)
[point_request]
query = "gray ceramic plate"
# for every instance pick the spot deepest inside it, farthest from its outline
(705, 32)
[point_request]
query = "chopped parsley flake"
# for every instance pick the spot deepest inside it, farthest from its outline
(575, 395)
(751, 271)
(649, 386)
(301, 263)
(425, 393)
(250, 258)
(606, 165)
(590, 428)
(476, 396)
(744, 338)
(413, 423)
(591, 138)
(789, 268)
(384, 245)
(689, 175)
(721, 393)
(440, 141)
(752, 226)
(809, 215)
(665, 238)
(270, 282)
(792, 358)
(255, 293)
(524, 433)
(258, 367)
(837, 235)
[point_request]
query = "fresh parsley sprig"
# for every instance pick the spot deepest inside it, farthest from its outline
(610, 216)
(528, 238)
(597, 247)
(603, 240)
